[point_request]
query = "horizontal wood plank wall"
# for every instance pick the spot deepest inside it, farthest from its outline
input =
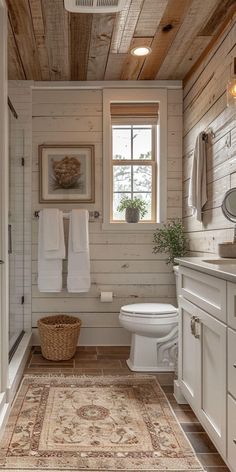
(120, 262)
(205, 108)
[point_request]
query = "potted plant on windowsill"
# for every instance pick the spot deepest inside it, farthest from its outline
(135, 208)
(170, 240)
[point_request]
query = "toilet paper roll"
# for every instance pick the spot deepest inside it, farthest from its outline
(106, 297)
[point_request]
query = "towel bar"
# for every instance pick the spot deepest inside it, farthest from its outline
(92, 214)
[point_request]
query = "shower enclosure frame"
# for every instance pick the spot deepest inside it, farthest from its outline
(16, 234)
(4, 302)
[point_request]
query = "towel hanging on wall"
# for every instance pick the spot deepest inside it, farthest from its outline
(51, 250)
(78, 279)
(198, 178)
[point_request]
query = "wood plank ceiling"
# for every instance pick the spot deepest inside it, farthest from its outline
(47, 43)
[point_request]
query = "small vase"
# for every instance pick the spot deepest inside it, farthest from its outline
(132, 215)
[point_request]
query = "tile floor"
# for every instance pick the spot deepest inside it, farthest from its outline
(111, 360)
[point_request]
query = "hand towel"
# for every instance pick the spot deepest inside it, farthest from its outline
(53, 243)
(78, 279)
(80, 236)
(50, 253)
(198, 178)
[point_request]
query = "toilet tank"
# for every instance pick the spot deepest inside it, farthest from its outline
(177, 280)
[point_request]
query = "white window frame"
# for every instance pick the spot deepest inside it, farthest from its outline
(146, 162)
(135, 95)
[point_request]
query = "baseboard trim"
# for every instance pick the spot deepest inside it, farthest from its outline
(181, 400)
(4, 414)
(17, 366)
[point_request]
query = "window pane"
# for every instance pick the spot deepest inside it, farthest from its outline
(147, 197)
(142, 143)
(142, 178)
(116, 201)
(121, 143)
(122, 178)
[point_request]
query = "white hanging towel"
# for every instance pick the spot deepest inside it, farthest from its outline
(78, 279)
(198, 178)
(51, 250)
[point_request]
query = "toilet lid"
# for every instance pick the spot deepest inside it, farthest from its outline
(149, 309)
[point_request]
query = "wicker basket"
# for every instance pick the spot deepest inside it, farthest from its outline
(59, 335)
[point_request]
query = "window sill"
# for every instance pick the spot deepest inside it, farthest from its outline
(130, 227)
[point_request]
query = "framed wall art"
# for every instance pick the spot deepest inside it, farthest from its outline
(66, 173)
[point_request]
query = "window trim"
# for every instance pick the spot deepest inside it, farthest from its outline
(135, 95)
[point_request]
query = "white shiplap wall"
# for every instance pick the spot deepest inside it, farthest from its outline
(121, 263)
(205, 107)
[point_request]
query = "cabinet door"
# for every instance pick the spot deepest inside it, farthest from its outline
(231, 452)
(188, 352)
(211, 336)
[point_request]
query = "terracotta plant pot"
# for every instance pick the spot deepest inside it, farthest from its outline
(132, 215)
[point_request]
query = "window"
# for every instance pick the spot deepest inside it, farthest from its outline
(134, 155)
(134, 163)
(134, 167)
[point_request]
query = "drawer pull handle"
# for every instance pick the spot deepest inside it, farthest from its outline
(234, 365)
(192, 325)
(197, 328)
(234, 441)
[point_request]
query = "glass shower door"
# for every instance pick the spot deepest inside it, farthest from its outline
(16, 233)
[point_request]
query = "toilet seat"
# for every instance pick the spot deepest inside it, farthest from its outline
(149, 310)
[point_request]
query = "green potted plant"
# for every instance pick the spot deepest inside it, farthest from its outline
(135, 208)
(170, 240)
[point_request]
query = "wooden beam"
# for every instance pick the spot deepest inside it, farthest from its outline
(102, 28)
(21, 23)
(114, 66)
(133, 64)
(15, 67)
(229, 18)
(39, 34)
(197, 14)
(163, 40)
(80, 33)
(149, 18)
(199, 43)
(119, 25)
(56, 23)
(221, 12)
(125, 25)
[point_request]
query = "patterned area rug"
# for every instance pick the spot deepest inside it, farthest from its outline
(94, 424)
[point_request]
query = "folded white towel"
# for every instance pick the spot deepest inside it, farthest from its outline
(80, 236)
(50, 260)
(198, 178)
(51, 225)
(78, 279)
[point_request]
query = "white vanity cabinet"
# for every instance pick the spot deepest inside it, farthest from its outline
(202, 373)
(207, 355)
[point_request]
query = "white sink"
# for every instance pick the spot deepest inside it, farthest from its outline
(220, 261)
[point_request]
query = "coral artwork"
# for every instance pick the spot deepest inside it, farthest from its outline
(66, 172)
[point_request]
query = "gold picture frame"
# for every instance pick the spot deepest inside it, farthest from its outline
(66, 173)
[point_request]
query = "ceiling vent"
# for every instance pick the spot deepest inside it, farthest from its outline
(94, 6)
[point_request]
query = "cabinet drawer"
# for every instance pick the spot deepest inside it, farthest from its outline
(205, 291)
(232, 362)
(231, 304)
(231, 451)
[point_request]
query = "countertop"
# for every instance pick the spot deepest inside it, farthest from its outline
(213, 265)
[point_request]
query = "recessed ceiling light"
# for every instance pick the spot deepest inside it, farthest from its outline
(142, 51)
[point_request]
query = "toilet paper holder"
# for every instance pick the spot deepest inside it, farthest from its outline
(106, 297)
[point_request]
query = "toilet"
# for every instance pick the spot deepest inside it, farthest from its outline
(154, 329)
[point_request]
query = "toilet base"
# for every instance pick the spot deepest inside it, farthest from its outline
(151, 355)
